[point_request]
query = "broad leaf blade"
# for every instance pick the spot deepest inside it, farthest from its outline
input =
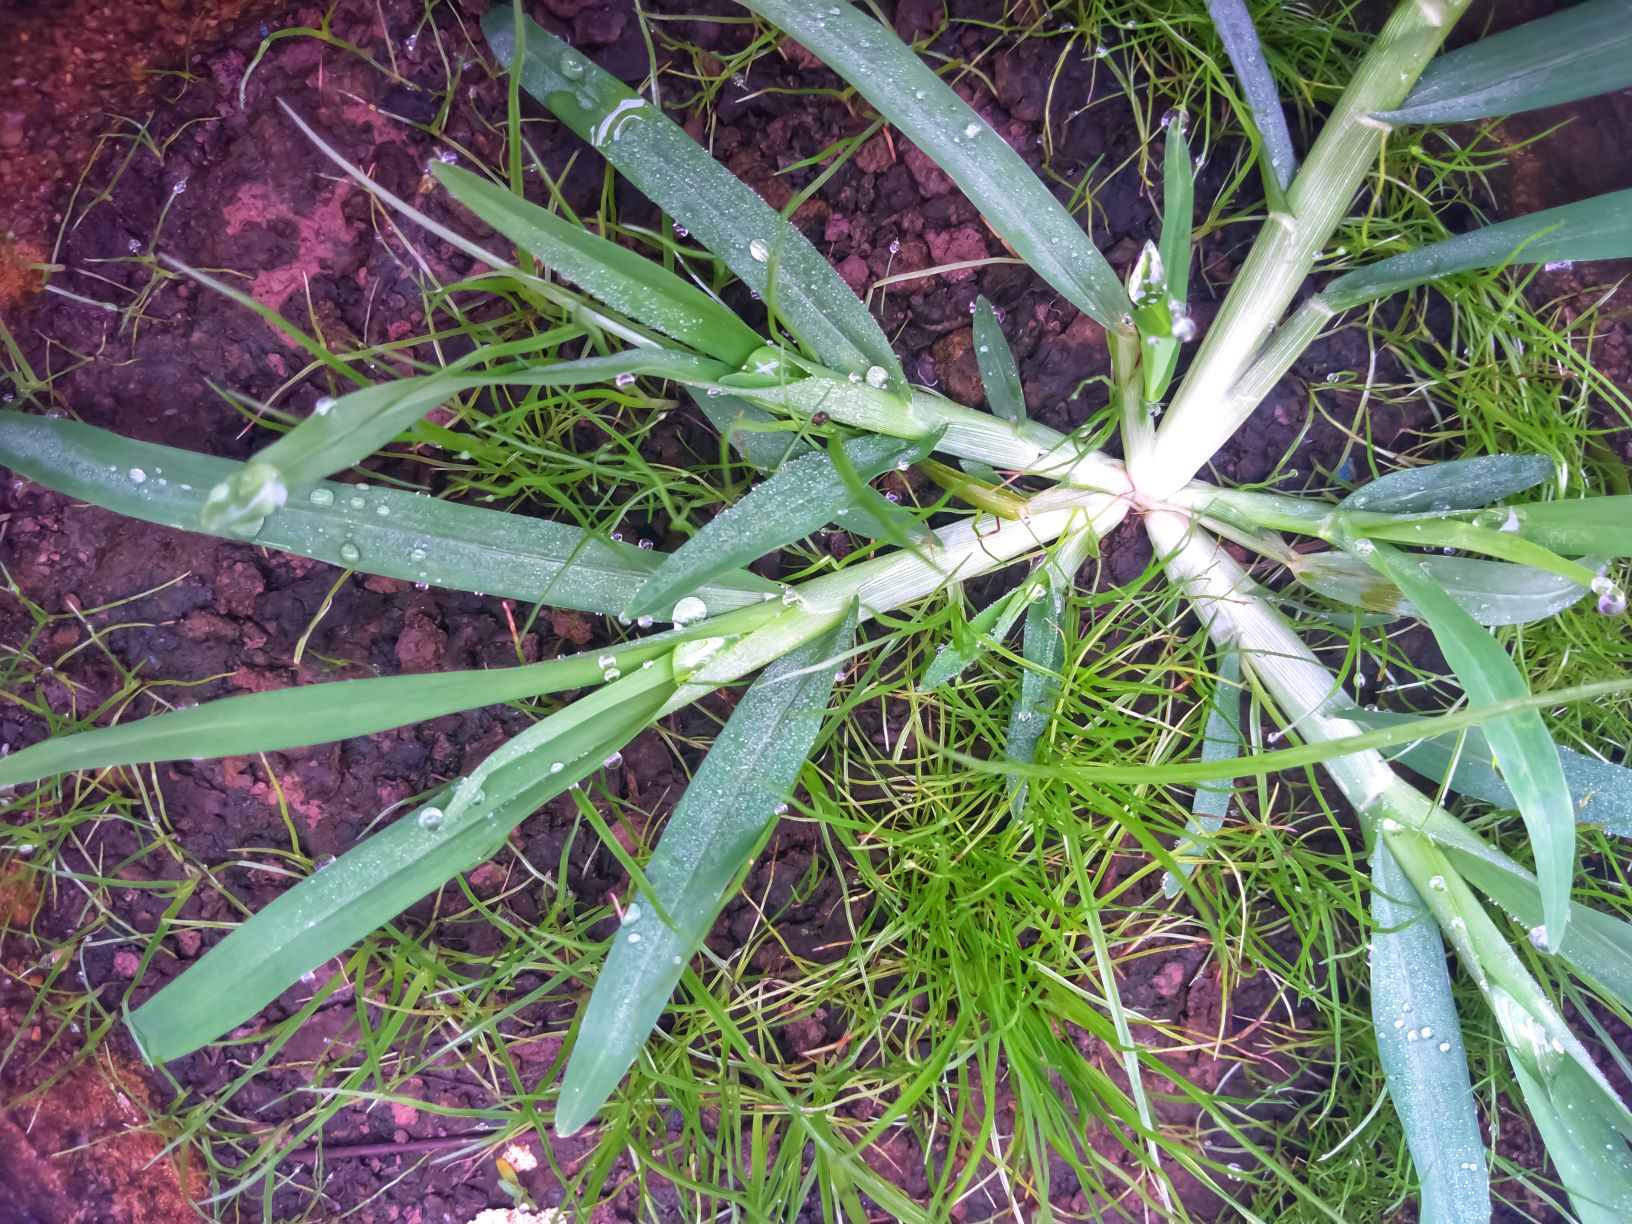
(1599, 228)
(389, 532)
(312, 714)
(1457, 484)
(1178, 211)
(1602, 790)
(721, 211)
(999, 374)
(1583, 1135)
(807, 494)
(1014, 202)
(1492, 592)
(386, 873)
(1598, 946)
(709, 840)
(1584, 50)
(1240, 39)
(1523, 749)
(1419, 1039)
(622, 279)
(1588, 526)
(1221, 740)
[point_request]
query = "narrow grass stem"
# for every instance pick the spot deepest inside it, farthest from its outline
(1287, 247)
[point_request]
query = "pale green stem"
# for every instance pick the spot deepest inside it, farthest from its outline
(960, 551)
(1286, 249)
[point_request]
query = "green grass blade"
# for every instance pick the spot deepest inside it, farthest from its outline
(709, 841)
(1588, 526)
(1240, 39)
(350, 429)
(1042, 646)
(807, 494)
(721, 211)
(1010, 196)
(622, 279)
(999, 374)
(1419, 1039)
(1492, 592)
(1523, 749)
(984, 630)
(1221, 740)
(312, 714)
(1457, 484)
(1584, 50)
(386, 873)
(1178, 211)
(393, 533)
(1598, 228)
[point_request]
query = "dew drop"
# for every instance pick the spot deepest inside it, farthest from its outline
(634, 937)
(417, 555)
(138, 476)
(323, 405)
(321, 497)
(689, 609)
(759, 251)
(556, 767)
(612, 762)
(350, 553)
(624, 380)
(572, 68)
(972, 130)
(876, 376)
(431, 818)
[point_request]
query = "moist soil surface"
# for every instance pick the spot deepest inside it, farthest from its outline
(205, 167)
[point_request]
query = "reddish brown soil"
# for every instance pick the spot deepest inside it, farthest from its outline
(258, 201)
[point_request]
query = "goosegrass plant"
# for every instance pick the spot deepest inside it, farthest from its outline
(821, 406)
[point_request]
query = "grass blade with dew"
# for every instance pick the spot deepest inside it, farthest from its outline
(1463, 763)
(1596, 228)
(1221, 741)
(1492, 592)
(708, 842)
(1419, 1039)
(1457, 484)
(1042, 646)
(1583, 50)
(623, 279)
(1598, 946)
(1235, 30)
(1523, 749)
(1557, 1073)
(999, 374)
(723, 213)
(387, 872)
(343, 432)
(323, 713)
(393, 533)
(1011, 198)
(807, 495)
